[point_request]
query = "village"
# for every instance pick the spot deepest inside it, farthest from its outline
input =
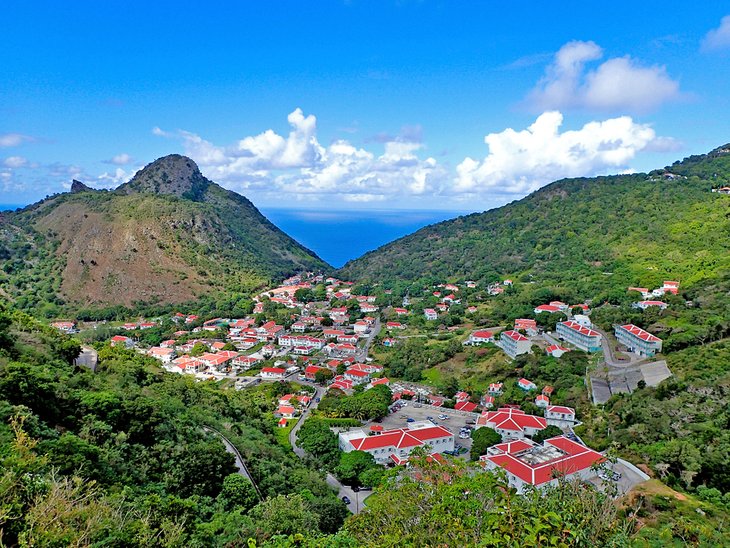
(321, 338)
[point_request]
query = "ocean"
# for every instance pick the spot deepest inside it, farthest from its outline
(338, 236)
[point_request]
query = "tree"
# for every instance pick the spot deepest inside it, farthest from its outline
(284, 515)
(550, 432)
(237, 492)
(323, 375)
(482, 439)
(198, 349)
(353, 464)
(316, 438)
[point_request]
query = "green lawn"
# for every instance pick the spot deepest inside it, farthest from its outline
(282, 434)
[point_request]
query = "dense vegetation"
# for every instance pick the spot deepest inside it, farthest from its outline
(589, 233)
(121, 456)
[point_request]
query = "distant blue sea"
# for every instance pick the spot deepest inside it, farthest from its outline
(338, 236)
(10, 207)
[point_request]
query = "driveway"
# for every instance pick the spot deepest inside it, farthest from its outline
(318, 392)
(87, 358)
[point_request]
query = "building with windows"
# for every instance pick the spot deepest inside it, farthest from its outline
(579, 336)
(530, 464)
(514, 343)
(637, 340)
(396, 445)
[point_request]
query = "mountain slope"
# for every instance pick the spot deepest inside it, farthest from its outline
(169, 235)
(639, 228)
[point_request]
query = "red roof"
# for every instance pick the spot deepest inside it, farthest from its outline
(638, 332)
(561, 409)
(511, 419)
(514, 335)
(467, 406)
(482, 334)
(573, 457)
(312, 369)
(400, 438)
(356, 373)
(547, 308)
(273, 370)
(523, 323)
(653, 303)
(575, 326)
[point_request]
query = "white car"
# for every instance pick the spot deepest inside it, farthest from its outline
(443, 417)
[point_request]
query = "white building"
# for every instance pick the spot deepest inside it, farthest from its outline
(581, 337)
(637, 340)
(514, 343)
(396, 445)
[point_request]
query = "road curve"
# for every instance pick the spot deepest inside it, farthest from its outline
(240, 463)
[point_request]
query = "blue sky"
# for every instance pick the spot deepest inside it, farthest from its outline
(358, 104)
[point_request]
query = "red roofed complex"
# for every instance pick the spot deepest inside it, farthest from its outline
(398, 443)
(511, 423)
(637, 340)
(580, 336)
(528, 463)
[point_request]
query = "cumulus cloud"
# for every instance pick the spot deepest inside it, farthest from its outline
(14, 139)
(718, 38)
(15, 161)
(619, 83)
(522, 161)
(298, 166)
(120, 159)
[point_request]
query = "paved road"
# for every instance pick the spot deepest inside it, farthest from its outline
(318, 392)
(240, 463)
(355, 505)
(610, 357)
(87, 358)
(363, 353)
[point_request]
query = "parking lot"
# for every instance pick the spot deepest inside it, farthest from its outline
(420, 412)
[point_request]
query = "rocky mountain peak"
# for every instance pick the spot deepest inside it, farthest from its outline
(173, 174)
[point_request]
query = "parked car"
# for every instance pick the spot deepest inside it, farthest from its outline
(346, 500)
(409, 419)
(471, 421)
(443, 417)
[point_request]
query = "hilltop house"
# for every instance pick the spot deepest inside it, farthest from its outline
(430, 314)
(643, 305)
(480, 337)
(528, 325)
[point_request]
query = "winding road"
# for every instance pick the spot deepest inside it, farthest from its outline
(240, 463)
(355, 505)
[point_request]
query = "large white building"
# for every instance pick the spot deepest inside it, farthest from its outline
(511, 423)
(637, 340)
(530, 464)
(514, 343)
(579, 336)
(396, 445)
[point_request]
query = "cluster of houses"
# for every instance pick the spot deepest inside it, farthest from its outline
(667, 287)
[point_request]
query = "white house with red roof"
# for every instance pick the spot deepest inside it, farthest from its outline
(332, 333)
(68, 327)
(481, 336)
(637, 340)
(542, 401)
(495, 388)
(350, 339)
(121, 340)
(487, 401)
(552, 309)
(394, 325)
(528, 325)
(341, 383)
(671, 287)
(555, 350)
(400, 311)
(514, 343)
(165, 355)
(361, 326)
(559, 304)
(368, 308)
(579, 336)
(273, 373)
(466, 406)
(310, 372)
(511, 423)
(377, 382)
(430, 314)
(530, 464)
(560, 415)
(526, 384)
(357, 376)
(245, 362)
(287, 411)
(396, 445)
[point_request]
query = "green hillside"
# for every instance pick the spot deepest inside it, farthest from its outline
(168, 236)
(599, 232)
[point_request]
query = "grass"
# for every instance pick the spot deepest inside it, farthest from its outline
(282, 434)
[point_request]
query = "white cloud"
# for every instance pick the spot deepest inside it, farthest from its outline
(120, 159)
(15, 161)
(522, 161)
(718, 38)
(619, 83)
(14, 139)
(298, 165)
